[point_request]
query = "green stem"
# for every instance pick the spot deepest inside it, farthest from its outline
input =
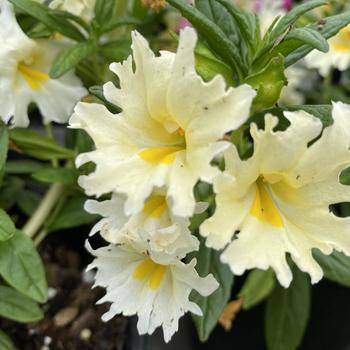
(40, 237)
(49, 133)
(44, 209)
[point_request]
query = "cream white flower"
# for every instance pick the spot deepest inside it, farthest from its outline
(337, 57)
(155, 224)
(24, 67)
(167, 132)
(155, 287)
(81, 8)
(277, 201)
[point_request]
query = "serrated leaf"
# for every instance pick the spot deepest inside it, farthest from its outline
(208, 261)
(21, 267)
(332, 25)
(58, 175)
(258, 285)
(336, 267)
(5, 342)
(7, 227)
(216, 38)
(287, 313)
(41, 13)
(39, 146)
(72, 215)
(18, 307)
(68, 58)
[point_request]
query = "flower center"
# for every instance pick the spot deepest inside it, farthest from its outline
(155, 206)
(34, 78)
(263, 207)
(341, 41)
(167, 154)
(153, 272)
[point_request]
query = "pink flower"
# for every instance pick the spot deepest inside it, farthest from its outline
(183, 23)
(287, 4)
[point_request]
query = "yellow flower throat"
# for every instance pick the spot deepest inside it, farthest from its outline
(150, 271)
(34, 78)
(341, 42)
(163, 155)
(263, 207)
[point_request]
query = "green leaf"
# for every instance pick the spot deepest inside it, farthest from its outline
(10, 191)
(39, 146)
(72, 215)
(332, 25)
(68, 58)
(217, 39)
(4, 140)
(268, 82)
(21, 267)
(6, 342)
(28, 201)
(213, 305)
(22, 166)
(208, 66)
(41, 13)
(246, 21)
(309, 36)
(118, 22)
(59, 175)
(69, 16)
(287, 313)
(117, 50)
(336, 267)
(292, 16)
(322, 112)
(258, 285)
(217, 13)
(104, 11)
(18, 307)
(7, 227)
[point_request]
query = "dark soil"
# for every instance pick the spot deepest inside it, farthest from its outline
(72, 319)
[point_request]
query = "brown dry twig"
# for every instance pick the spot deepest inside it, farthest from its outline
(229, 314)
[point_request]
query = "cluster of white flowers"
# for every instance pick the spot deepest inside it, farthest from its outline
(152, 154)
